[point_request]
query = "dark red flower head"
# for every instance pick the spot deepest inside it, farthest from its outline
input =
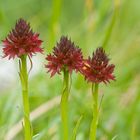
(97, 69)
(21, 41)
(65, 55)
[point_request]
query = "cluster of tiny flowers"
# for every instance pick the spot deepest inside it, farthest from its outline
(65, 55)
(21, 41)
(97, 69)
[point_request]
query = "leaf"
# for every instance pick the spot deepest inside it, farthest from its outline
(76, 128)
(35, 137)
(114, 138)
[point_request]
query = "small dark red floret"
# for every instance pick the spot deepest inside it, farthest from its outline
(21, 41)
(65, 55)
(97, 69)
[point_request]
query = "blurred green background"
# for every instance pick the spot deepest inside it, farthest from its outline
(113, 24)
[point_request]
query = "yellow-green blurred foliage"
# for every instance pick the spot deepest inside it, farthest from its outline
(113, 24)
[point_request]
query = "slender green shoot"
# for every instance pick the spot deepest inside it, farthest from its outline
(64, 105)
(24, 83)
(94, 123)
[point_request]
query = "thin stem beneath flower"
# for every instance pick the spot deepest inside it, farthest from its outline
(64, 105)
(24, 83)
(94, 122)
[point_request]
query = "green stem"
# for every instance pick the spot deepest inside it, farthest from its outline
(94, 122)
(64, 105)
(25, 96)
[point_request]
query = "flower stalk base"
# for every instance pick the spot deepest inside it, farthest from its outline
(25, 96)
(94, 122)
(64, 104)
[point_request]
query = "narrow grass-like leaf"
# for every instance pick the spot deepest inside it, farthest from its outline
(35, 137)
(76, 128)
(114, 138)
